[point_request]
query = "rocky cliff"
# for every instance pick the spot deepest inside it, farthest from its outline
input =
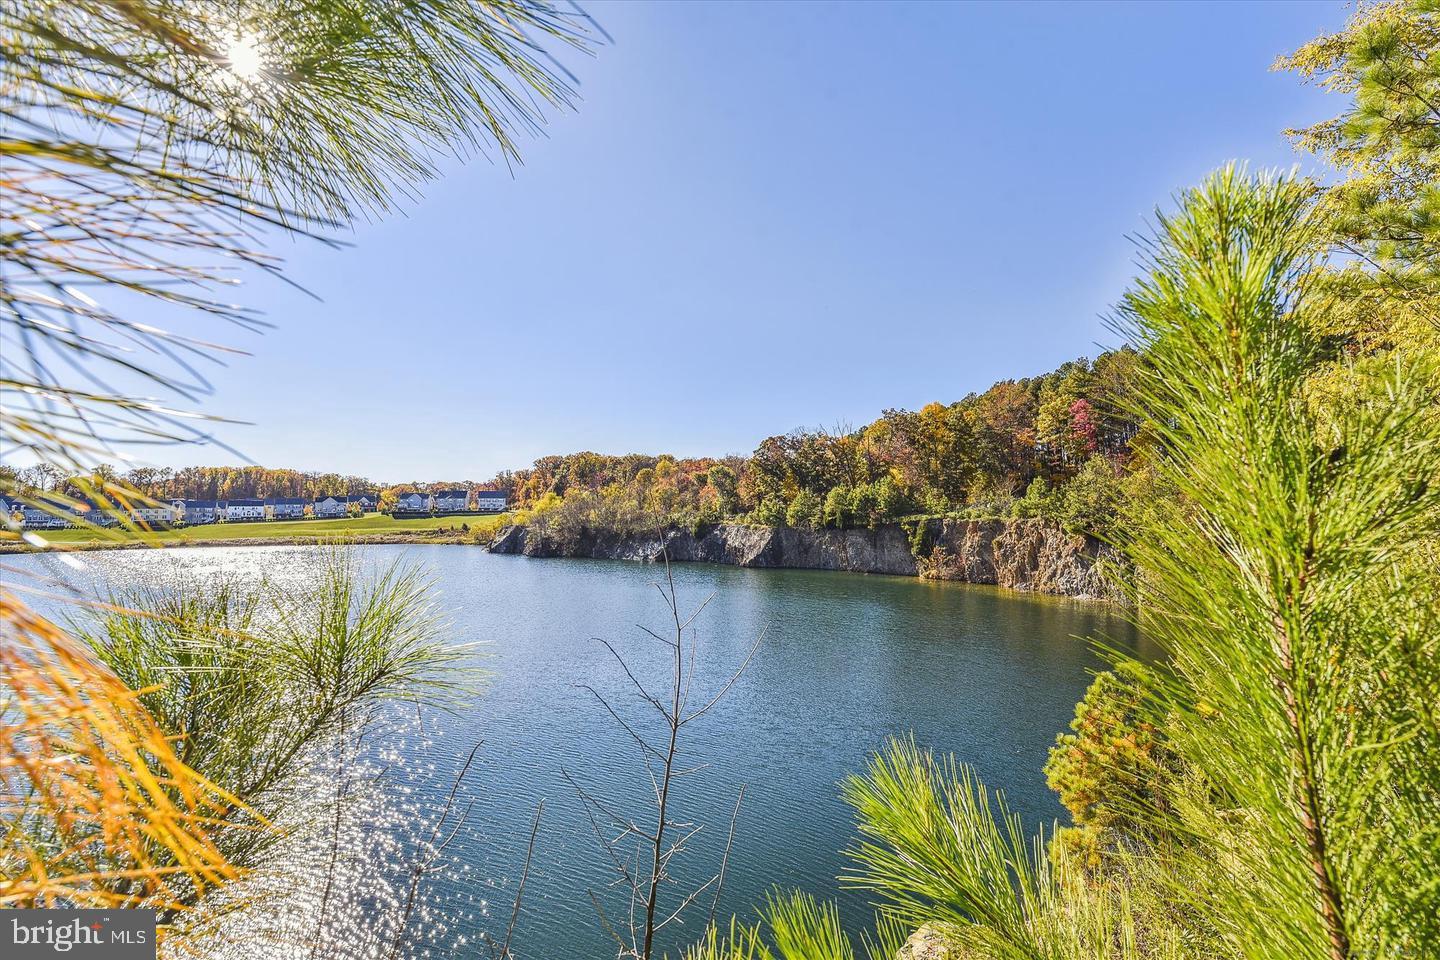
(1018, 554)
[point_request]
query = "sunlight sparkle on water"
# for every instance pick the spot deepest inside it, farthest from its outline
(336, 887)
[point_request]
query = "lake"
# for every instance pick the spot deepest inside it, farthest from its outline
(846, 661)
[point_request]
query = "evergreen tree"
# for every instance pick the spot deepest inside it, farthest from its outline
(1296, 596)
(1385, 212)
(1297, 602)
(151, 145)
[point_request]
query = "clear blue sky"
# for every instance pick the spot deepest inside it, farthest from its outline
(765, 216)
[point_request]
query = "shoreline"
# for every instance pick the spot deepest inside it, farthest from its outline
(359, 539)
(1019, 556)
(1027, 556)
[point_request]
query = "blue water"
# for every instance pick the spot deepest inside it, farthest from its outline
(846, 661)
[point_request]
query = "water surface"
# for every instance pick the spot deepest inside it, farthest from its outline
(846, 661)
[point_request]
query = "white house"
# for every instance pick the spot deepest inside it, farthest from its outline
(197, 511)
(101, 516)
(52, 512)
(36, 517)
(31, 514)
(451, 501)
(490, 501)
(152, 514)
(328, 507)
(47, 512)
(413, 503)
(244, 509)
(284, 508)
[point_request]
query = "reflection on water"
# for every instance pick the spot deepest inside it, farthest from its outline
(847, 661)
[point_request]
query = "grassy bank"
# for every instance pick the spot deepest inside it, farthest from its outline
(369, 528)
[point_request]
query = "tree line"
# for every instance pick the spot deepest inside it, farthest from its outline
(1059, 445)
(212, 483)
(1022, 446)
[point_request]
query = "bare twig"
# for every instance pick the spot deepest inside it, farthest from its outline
(431, 851)
(501, 950)
(725, 860)
(524, 875)
(640, 856)
(341, 791)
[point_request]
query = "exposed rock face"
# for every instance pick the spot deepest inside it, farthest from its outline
(883, 550)
(1018, 554)
(933, 942)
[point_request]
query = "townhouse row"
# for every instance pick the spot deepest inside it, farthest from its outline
(66, 513)
(190, 512)
(451, 501)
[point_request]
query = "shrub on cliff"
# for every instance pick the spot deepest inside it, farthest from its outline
(892, 500)
(804, 511)
(1113, 769)
(1041, 502)
(770, 512)
(1090, 502)
(838, 509)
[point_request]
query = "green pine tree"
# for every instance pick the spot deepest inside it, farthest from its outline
(1296, 598)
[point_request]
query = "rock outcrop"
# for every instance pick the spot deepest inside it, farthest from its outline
(1021, 555)
(1017, 554)
(934, 942)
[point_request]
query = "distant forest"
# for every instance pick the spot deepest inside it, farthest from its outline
(217, 483)
(1070, 447)
(1056, 446)
(1020, 445)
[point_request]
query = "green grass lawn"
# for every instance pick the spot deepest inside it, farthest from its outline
(373, 523)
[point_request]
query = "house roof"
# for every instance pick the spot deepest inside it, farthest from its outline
(490, 494)
(198, 504)
(53, 505)
(452, 494)
(248, 502)
(336, 497)
(285, 501)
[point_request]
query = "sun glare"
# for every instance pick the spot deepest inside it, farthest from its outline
(242, 56)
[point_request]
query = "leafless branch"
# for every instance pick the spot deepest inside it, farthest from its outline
(725, 688)
(645, 746)
(641, 857)
(431, 851)
(725, 860)
(501, 951)
(639, 687)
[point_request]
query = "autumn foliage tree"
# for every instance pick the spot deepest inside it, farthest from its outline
(976, 454)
